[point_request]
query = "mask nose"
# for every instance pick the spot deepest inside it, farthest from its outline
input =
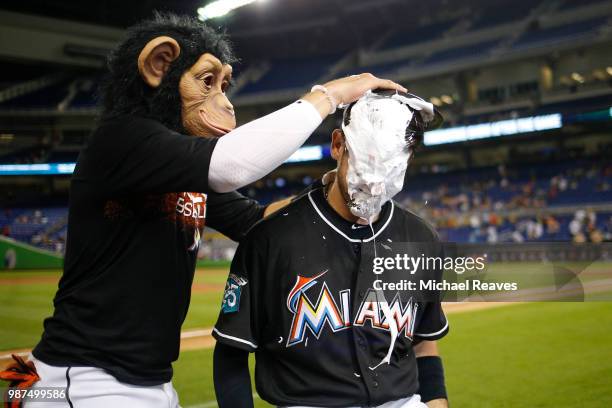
(230, 108)
(224, 103)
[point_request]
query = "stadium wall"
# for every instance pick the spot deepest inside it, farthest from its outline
(17, 255)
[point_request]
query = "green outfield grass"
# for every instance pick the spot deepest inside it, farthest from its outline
(531, 355)
(25, 302)
(534, 276)
(205, 305)
(23, 308)
(525, 355)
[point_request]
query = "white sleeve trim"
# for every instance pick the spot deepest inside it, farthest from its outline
(433, 334)
(238, 339)
(254, 149)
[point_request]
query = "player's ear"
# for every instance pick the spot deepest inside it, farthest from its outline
(155, 58)
(337, 144)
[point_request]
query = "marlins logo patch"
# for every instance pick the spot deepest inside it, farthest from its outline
(233, 290)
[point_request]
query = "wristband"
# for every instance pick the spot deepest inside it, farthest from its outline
(431, 378)
(330, 98)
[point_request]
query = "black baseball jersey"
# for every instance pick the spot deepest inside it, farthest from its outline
(301, 295)
(139, 199)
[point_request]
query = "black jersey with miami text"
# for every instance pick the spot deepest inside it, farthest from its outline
(301, 295)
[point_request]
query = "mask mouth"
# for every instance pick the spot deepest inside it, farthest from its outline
(217, 129)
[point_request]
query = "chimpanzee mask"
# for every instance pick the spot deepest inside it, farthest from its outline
(175, 70)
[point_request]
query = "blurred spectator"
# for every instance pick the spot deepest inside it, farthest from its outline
(552, 225)
(492, 236)
(575, 227)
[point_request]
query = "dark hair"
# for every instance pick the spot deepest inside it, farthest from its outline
(123, 92)
(417, 126)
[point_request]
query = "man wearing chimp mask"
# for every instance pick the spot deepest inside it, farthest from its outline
(301, 294)
(165, 157)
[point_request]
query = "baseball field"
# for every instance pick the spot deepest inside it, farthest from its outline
(496, 355)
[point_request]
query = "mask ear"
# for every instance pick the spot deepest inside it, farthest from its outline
(155, 59)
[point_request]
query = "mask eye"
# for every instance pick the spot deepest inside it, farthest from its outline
(208, 81)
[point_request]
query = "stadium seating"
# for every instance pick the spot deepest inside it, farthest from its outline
(571, 4)
(412, 34)
(460, 53)
(291, 74)
(43, 227)
(503, 12)
(539, 37)
(287, 74)
(491, 193)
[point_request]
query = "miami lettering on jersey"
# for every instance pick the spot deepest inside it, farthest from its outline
(314, 316)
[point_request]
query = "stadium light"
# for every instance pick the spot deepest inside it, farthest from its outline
(304, 154)
(220, 8)
(493, 129)
(577, 77)
(36, 169)
(447, 99)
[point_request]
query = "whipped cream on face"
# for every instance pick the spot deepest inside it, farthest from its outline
(378, 158)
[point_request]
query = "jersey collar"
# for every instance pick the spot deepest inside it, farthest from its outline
(350, 231)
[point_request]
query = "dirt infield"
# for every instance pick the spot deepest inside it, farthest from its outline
(197, 339)
(202, 338)
(451, 308)
(194, 339)
(206, 288)
(29, 280)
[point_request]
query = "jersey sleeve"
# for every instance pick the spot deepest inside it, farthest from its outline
(433, 324)
(232, 214)
(239, 318)
(138, 155)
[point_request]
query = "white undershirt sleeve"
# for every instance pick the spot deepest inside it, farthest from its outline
(253, 150)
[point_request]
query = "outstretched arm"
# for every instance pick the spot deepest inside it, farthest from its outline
(231, 377)
(253, 150)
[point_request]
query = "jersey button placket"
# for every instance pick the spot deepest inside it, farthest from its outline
(374, 379)
(363, 282)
